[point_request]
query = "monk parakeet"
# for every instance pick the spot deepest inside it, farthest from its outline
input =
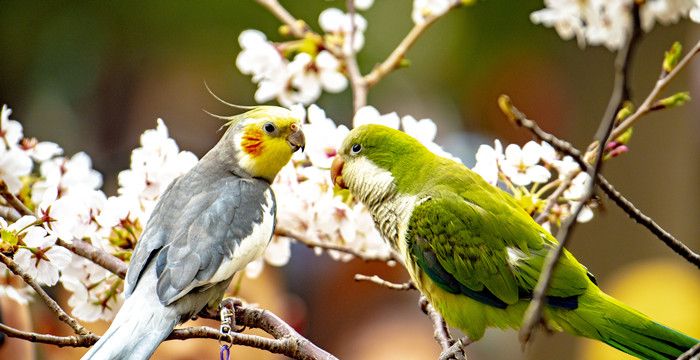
(207, 225)
(477, 255)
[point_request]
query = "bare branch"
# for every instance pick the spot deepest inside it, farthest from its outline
(394, 60)
(51, 303)
(442, 333)
(301, 238)
(96, 255)
(12, 200)
(633, 212)
(388, 284)
(296, 27)
(357, 82)
(286, 340)
(533, 313)
(661, 84)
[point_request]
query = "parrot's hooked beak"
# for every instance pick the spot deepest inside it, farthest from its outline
(337, 172)
(296, 139)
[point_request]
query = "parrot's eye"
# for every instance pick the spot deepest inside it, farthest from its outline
(269, 128)
(355, 149)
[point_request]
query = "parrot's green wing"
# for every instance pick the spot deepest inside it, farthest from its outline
(492, 253)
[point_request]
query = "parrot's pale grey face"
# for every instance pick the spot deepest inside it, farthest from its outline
(264, 140)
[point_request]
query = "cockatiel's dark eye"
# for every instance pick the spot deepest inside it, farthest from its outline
(269, 128)
(355, 149)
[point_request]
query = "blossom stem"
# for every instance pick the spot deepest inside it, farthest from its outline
(393, 61)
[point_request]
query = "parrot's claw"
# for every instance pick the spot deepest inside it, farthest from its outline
(232, 304)
(456, 351)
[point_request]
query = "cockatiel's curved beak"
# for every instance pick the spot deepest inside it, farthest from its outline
(296, 138)
(337, 172)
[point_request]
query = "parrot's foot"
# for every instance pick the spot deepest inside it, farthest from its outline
(232, 304)
(456, 351)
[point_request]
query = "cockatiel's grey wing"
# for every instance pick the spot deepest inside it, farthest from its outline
(216, 233)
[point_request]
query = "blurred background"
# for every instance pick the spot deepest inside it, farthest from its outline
(93, 75)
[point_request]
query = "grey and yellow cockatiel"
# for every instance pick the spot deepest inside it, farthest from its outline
(208, 225)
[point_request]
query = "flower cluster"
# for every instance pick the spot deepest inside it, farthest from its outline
(65, 194)
(528, 173)
(608, 22)
(298, 71)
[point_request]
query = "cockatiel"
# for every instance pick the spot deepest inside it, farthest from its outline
(475, 253)
(208, 225)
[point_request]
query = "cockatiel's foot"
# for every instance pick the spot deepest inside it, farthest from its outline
(456, 351)
(232, 304)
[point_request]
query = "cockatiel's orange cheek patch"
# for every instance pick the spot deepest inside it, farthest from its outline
(252, 142)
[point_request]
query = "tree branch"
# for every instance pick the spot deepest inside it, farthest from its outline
(51, 303)
(286, 340)
(388, 284)
(296, 27)
(394, 60)
(442, 333)
(533, 313)
(96, 255)
(660, 85)
(12, 200)
(518, 118)
(301, 238)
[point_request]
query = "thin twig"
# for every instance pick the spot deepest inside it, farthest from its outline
(96, 255)
(660, 85)
(633, 212)
(388, 284)
(533, 313)
(51, 303)
(393, 61)
(301, 238)
(357, 82)
(441, 331)
(12, 200)
(296, 27)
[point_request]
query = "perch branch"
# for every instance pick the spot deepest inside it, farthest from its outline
(442, 333)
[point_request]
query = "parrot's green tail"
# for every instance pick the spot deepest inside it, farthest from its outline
(603, 318)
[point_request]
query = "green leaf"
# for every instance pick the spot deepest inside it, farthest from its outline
(672, 56)
(674, 100)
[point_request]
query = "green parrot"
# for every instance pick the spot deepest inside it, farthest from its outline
(477, 255)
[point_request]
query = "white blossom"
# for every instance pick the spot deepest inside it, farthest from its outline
(40, 258)
(363, 4)
(10, 130)
(14, 164)
(93, 289)
(422, 9)
(609, 22)
(522, 167)
(370, 115)
(154, 165)
(339, 24)
(487, 161)
(73, 215)
(61, 176)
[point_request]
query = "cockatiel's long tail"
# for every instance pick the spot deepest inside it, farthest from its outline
(140, 326)
(604, 318)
